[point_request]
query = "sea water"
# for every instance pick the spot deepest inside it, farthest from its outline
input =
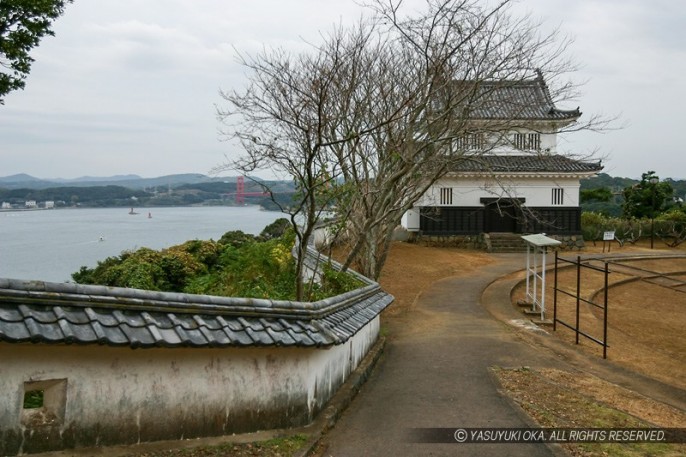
(50, 245)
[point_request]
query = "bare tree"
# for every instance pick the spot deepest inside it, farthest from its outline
(433, 85)
(370, 119)
(284, 122)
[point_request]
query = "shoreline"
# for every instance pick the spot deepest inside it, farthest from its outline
(16, 210)
(11, 210)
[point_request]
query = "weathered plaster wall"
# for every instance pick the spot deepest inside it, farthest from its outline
(122, 395)
(411, 220)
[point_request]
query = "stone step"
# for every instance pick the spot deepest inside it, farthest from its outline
(506, 242)
(507, 251)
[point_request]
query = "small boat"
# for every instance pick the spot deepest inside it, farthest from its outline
(132, 212)
(149, 215)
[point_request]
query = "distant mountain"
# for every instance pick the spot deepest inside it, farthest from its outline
(92, 179)
(21, 177)
(24, 181)
(172, 180)
(171, 190)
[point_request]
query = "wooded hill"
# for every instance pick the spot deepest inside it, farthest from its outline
(616, 185)
(210, 192)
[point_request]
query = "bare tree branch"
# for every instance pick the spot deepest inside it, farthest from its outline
(367, 121)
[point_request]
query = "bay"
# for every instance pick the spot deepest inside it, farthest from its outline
(50, 245)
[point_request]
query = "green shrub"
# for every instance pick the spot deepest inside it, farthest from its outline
(593, 226)
(276, 229)
(334, 282)
(238, 265)
(670, 227)
(236, 238)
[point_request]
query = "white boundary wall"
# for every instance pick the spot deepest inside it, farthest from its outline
(118, 395)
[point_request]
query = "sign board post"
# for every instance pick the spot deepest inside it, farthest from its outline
(608, 237)
(536, 249)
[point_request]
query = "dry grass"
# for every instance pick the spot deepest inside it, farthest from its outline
(560, 399)
(277, 447)
(411, 269)
(646, 321)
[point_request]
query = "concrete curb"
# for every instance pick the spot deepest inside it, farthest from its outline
(328, 417)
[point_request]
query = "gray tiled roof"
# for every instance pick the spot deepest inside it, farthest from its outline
(538, 163)
(524, 100)
(43, 312)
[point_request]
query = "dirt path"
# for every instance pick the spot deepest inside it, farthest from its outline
(441, 345)
(411, 269)
(435, 371)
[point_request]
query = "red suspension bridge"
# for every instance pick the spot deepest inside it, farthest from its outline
(240, 193)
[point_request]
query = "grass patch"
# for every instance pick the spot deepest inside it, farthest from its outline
(276, 447)
(551, 404)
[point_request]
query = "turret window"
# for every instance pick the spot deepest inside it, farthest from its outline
(470, 142)
(446, 196)
(558, 196)
(527, 141)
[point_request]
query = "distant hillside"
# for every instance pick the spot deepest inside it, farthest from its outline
(616, 186)
(20, 178)
(100, 196)
(24, 181)
(97, 179)
(172, 190)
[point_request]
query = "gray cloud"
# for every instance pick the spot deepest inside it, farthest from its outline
(130, 87)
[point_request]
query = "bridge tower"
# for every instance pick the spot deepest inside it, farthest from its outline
(240, 190)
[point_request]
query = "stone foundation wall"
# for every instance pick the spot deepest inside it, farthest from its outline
(569, 242)
(452, 241)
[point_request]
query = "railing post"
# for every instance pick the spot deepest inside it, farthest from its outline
(528, 270)
(555, 296)
(578, 295)
(607, 272)
(535, 270)
(543, 268)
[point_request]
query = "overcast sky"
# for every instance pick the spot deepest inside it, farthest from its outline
(130, 86)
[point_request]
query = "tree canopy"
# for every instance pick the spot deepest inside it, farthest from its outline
(599, 194)
(22, 25)
(648, 198)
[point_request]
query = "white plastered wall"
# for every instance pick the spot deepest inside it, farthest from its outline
(537, 192)
(176, 390)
